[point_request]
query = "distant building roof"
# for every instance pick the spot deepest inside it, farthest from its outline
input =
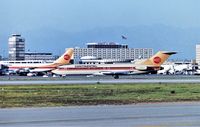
(37, 53)
(18, 35)
(106, 45)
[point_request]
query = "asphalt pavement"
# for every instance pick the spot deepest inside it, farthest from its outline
(17, 80)
(140, 115)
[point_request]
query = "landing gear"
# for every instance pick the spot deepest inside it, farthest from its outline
(116, 76)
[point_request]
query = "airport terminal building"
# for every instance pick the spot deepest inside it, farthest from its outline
(112, 51)
(39, 56)
(16, 44)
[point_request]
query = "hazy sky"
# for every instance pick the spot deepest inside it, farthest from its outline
(78, 15)
(82, 15)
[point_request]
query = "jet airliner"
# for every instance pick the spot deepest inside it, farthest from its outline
(38, 66)
(151, 65)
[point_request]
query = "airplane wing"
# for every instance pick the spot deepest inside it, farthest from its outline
(113, 73)
(40, 69)
(135, 72)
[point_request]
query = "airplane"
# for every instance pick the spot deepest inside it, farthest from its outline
(175, 68)
(3, 69)
(25, 67)
(151, 65)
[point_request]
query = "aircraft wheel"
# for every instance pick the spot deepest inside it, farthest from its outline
(116, 76)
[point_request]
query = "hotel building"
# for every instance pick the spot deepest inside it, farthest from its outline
(112, 51)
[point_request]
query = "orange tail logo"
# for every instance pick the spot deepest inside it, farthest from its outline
(158, 59)
(65, 58)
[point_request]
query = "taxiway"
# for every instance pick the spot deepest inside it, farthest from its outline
(140, 115)
(99, 80)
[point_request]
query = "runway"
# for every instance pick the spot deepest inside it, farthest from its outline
(140, 115)
(100, 80)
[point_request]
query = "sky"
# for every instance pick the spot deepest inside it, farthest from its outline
(79, 16)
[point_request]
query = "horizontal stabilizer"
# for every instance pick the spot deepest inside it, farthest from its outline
(169, 53)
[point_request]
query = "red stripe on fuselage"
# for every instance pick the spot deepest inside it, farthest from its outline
(32, 67)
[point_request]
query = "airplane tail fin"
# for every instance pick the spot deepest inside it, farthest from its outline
(65, 58)
(158, 59)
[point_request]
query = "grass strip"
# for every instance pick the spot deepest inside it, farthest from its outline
(95, 94)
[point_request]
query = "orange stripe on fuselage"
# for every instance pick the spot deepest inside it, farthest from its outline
(99, 68)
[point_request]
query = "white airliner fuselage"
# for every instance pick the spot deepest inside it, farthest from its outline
(34, 66)
(103, 69)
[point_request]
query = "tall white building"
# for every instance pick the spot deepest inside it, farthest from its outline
(198, 53)
(112, 51)
(16, 45)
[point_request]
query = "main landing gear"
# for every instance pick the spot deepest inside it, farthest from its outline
(116, 76)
